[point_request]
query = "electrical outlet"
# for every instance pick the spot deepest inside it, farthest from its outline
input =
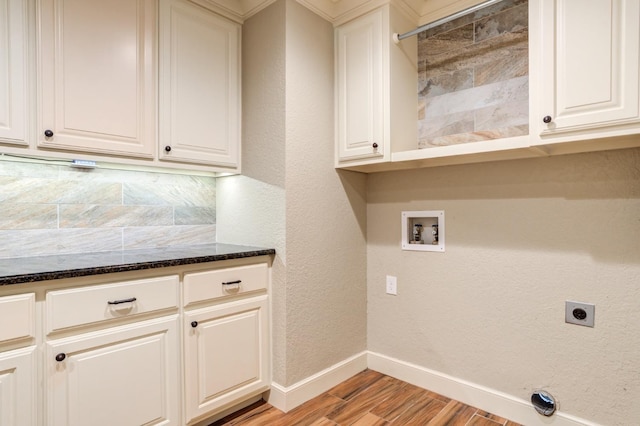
(579, 313)
(392, 285)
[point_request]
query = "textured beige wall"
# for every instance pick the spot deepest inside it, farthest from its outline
(326, 212)
(252, 206)
(263, 96)
(521, 238)
(291, 198)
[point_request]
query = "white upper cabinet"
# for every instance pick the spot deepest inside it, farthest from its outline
(375, 84)
(517, 80)
(97, 74)
(199, 86)
(359, 77)
(14, 71)
(589, 69)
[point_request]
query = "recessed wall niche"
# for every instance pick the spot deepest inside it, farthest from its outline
(423, 230)
(473, 77)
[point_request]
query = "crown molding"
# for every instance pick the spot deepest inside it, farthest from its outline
(340, 11)
(433, 10)
(236, 10)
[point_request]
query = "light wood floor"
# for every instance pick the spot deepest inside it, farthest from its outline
(369, 399)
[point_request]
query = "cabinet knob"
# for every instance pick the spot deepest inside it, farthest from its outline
(547, 119)
(375, 145)
(194, 324)
(61, 357)
(48, 133)
(167, 148)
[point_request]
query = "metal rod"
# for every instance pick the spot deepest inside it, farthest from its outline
(398, 37)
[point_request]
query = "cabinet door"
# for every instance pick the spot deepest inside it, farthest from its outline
(14, 71)
(359, 83)
(590, 64)
(226, 355)
(199, 86)
(97, 74)
(18, 318)
(125, 376)
(18, 397)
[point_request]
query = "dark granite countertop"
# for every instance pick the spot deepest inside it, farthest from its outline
(43, 268)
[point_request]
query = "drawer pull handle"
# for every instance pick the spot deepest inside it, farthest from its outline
(117, 302)
(236, 282)
(60, 357)
(194, 324)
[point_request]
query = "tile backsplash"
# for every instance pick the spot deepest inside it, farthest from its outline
(55, 209)
(473, 81)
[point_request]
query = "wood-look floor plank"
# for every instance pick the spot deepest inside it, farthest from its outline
(266, 418)
(259, 415)
(437, 396)
(490, 416)
(454, 414)
(398, 403)
(370, 420)
(351, 387)
(309, 412)
(372, 399)
(477, 420)
(421, 413)
(320, 422)
(368, 398)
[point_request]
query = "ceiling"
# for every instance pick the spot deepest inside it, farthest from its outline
(339, 11)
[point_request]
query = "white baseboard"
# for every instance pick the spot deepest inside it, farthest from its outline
(491, 400)
(288, 398)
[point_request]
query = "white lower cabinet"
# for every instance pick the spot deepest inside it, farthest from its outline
(226, 355)
(18, 394)
(135, 349)
(18, 368)
(126, 376)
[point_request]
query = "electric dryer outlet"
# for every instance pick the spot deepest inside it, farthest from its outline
(579, 313)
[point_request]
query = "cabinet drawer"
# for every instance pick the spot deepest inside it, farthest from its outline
(94, 304)
(17, 316)
(224, 282)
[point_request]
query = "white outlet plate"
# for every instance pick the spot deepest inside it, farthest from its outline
(587, 309)
(392, 285)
